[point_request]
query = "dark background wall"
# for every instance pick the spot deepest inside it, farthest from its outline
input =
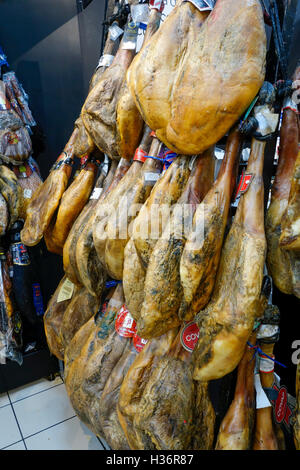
(53, 46)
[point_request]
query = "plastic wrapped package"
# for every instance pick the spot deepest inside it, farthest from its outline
(10, 322)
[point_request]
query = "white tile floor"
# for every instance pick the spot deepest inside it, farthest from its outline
(39, 416)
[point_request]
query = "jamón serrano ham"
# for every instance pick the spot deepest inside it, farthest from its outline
(12, 193)
(103, 212)
(47, 198)
(163, 291)
(133, 386)
(296, 426)
(227, 321)
(167, 411)
(201, 254)
(148, 225)
(265, 435)
(236, 430)
(90, 271)
(89, 368)
(69, 250)
(99, 110)
(283, 265)
(198, 75)
(129, 121)
(134, 275)
(113, 432)
(72, 202)
(82, 307)
(53, 316)
(119, 225)
(147, 229)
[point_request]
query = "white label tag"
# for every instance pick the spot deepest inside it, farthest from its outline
(27, 193)
(203, 5)
(96, 193)
(140, 13)
(266, 365)
(105, 60)
(115, 32)
(151, 177)
(262, 400)
(290, 103)
(66, 291)
(267, 331)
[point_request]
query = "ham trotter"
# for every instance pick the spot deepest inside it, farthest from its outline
(227, 321)
(129, 121)
(200, 258)
(47, 198)
(237, 427)
(200, 72)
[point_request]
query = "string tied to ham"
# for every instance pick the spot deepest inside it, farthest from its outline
(257, 349)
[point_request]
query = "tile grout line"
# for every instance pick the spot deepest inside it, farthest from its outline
(16, 421)
(33, 394)
(49, 427)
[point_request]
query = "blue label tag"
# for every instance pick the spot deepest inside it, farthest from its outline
(38, 299)
(143, 26)
(112, 283)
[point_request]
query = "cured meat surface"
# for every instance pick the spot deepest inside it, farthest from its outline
(82, 307)
(89, 360)
(69, 250)
(197, 75)
(129, 120)
(237, 427)
(167, 410)
(201, 254)
(4, 215)
(53, 319)
(133, 280)
(72, 202)
(226, 323)
(133, 387)
(29, 184)
(113, 432)
(90, 271)
(283, 265)
(99, 110)
(47, 198)
(119, 225)
(163, 291)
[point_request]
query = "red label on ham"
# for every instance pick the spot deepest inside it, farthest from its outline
(139, 343)
(281, 405)
(189, 336)
(125, 324)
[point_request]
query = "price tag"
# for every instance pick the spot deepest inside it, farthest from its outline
(151, 177)
(105, 60)
(66, 291)
(115, 31)
(203, 5)
(27, 193)
(125, 324)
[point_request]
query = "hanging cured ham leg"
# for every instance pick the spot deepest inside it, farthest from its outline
(72, 202)
(163, 290)
(129, 120)
(47, 198)
(237, 426)
(69, 250)
(199, 74)
(109, 208)
(133, 386)
(226, 323)
(283, 265)
(99, 110)
(147, 229)
(201, 254)
(119, 226)
(168, 413)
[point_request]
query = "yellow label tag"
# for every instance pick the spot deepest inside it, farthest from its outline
(66, 291)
